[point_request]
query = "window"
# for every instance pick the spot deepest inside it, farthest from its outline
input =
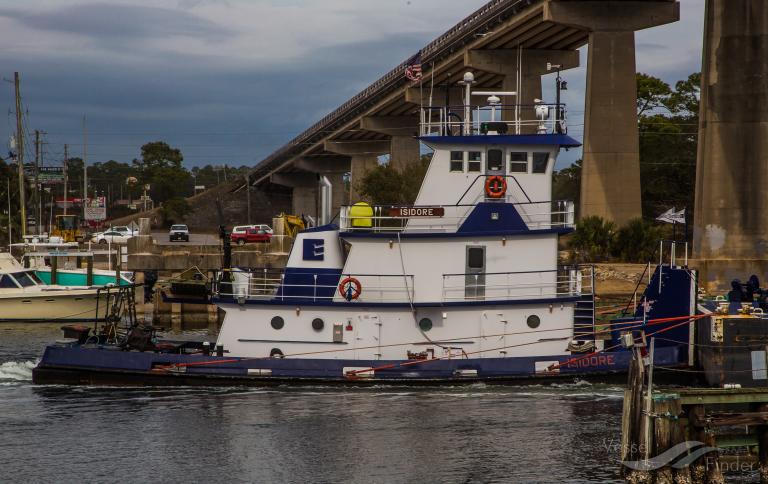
(533, 321)
(518, 162)
(23, 279)
(34, 277)
(277, 322)
(425, 324)
(495, 160)
(540, 162)
(475, 258)
(6, 282)
(457, 161)
(475, 161)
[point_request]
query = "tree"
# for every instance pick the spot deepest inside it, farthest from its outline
(161, 168)
(668, 122)
(637, 241)
(385, 185)
(592, 241)
(566, 184)
(174, 210)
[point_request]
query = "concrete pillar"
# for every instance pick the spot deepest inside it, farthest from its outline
(305, 191)
(403, 131)
(534, 65)
(731, 212)
(610, 178)
(363, 155)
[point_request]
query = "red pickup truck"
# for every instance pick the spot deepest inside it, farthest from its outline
(250, 236)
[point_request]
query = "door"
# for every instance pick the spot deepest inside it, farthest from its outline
(474, 288)
(495, 163)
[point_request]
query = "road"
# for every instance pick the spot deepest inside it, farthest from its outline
(194, 239)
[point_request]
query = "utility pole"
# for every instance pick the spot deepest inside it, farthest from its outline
(248, 196)
(37, 205)
(20, 153)
(85, 169)
(66, 195)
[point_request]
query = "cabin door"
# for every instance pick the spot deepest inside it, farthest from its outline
(474, 285)
(495, 162)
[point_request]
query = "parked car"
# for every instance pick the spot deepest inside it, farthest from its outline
(179, 232)
(125, 230)
(110, 237)
(249, 235)
(241, 229)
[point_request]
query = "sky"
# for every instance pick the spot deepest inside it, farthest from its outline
(230, 81)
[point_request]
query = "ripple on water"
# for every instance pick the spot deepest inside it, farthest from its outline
(16, 371)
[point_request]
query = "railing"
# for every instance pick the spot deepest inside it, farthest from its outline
(502, 286)
(498, 119)
(448, 218)
(273, 284)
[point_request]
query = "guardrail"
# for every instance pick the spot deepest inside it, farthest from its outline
(492, 119)
(448, 218)
(270, 284)
(502, 286)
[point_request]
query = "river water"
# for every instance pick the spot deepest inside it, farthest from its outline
(462, 434)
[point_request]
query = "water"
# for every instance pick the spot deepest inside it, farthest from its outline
(473, 434)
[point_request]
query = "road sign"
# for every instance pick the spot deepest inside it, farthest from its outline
(96, 209)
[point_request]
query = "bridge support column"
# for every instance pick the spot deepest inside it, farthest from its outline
(335, 168)
(305, 191)
(534, 65)
(731, 213)
(364, 155)
(404, 146)
(610, 178)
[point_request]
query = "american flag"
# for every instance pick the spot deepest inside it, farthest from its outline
(413, 68)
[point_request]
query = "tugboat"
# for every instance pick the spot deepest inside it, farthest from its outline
(463, 286)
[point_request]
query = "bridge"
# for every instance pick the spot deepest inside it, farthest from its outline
(495, 42)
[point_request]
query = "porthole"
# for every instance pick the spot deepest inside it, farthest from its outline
(278, 322)
(425, 324)
(533, 321)
(276, 353)
(317, 324)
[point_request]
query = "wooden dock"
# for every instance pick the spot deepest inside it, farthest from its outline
(692, 435)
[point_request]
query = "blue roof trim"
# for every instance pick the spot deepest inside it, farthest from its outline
(406, 304)
(562, 140)
(453, 235)
(322, 228)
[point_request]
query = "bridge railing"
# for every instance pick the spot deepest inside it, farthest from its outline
(499, 119)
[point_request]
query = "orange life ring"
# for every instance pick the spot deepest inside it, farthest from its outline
(350, 289)
(495, 186)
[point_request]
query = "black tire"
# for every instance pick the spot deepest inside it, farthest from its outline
(103, 242)
(241, 242)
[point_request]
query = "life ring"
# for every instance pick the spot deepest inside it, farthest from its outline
(350, 289)
(495, 186)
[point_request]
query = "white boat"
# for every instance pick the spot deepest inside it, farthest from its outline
(464, 285)
(24, 297)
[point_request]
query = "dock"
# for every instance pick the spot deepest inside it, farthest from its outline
(691, 434)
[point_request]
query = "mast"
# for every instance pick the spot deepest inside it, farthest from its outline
(20, 153)
(36, 205)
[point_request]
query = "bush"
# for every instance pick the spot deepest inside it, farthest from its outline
(637, 241)
(592, 240)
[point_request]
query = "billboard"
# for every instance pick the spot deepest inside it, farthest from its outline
(96, 209)
(50, 175)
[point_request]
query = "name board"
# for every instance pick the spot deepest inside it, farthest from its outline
(406, 212)
(96, 209)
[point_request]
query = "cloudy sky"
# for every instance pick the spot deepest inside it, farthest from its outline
(229, 81)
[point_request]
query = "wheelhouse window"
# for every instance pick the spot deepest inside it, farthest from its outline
(540, 162)
(474, 163)
(457, 161)
(7, 282)
(23, 279)
(518, 162)
(34, 277)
